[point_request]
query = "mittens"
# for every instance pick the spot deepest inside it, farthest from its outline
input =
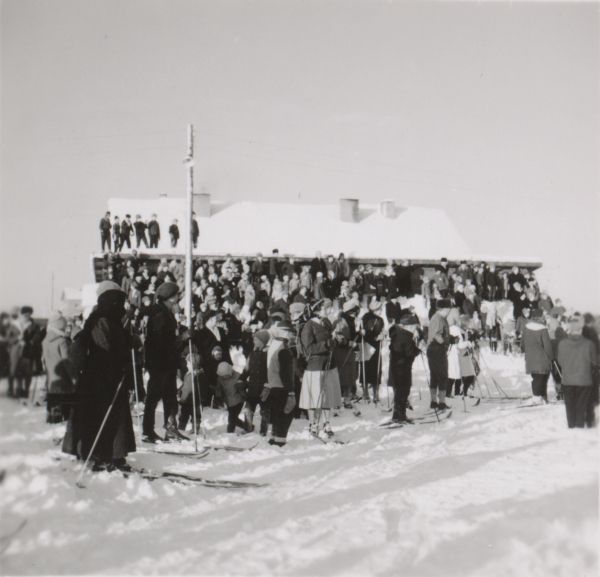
(290, 404)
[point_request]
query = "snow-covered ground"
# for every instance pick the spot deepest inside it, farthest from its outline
(487, 492)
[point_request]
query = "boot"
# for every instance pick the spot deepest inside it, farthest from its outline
(151, 437)
(327, 430)
(173, 433)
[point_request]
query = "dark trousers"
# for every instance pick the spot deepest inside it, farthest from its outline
(105, 240)
(265, 415)
(233, 419)
(539, 385)
(116, 242)
(153, 241)
(161, 386)
(437, 357)
(466, 382)
(402, 383)
(174, 241)
(125, 239)
(140, 239)
(186, 412)
(281, 421)
(576, 403)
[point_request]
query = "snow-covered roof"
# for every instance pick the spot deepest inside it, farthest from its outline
(246, 228)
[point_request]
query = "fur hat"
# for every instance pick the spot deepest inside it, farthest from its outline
(409, 319)
(107, 285)
(167, 290)
(224, 370)
(297, 309)
(262, 336)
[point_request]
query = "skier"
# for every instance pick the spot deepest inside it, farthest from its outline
(403, 352)
(578, 358)
(255, 377)
(372, 327)
(320, 382)
(538, 355)
(100, 355)
(162, 362)
(279, 390)
(437, 347)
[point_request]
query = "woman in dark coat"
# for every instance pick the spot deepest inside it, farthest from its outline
(100, 373)
(344, 354)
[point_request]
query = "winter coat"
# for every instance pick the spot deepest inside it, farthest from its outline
(108, 355)
(201, 383)
(231, 389)
(56, 347)
(344, 268)
(441, 280)
(255, 373)
(317, 345)
(174, 231)
(535, 341)
(438, 326)
(105, 225)
(280, 366)
(161, 352)
(459, 361)
(195, 229)
(578, 359)
(125, 229)
(403, 350)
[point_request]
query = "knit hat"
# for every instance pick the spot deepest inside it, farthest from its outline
(409, 319)
(443, 304)
(167, 290)
(262, 336)
(107, 285)
(537, 314)
(224, 370)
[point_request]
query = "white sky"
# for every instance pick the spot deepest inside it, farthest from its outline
(487, 110)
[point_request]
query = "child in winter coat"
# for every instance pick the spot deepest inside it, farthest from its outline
(186, 397)
(255, 378)
(230, 387)
(279, 391)
(460, 365)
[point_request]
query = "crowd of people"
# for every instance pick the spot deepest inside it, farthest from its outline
(311, 334)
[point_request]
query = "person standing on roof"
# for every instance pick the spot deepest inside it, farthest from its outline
(105, 228)
(195, 230)
(154, 232)
(126, 228)
(174, 232)
(140, 231)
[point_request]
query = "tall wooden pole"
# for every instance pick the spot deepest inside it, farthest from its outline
(189, 161)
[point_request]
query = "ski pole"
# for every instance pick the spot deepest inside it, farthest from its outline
(492, 376)
(362, 354)
(99, 433)
(137, 400)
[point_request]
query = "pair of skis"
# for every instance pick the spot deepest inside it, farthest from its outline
(192, 480)
(205, 450)
(424, 419)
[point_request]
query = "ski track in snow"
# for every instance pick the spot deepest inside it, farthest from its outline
(486, 492)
